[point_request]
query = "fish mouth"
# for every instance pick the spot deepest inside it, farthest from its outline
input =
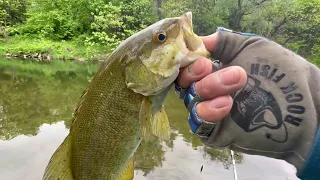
(187, 22)
(191, 45)
(191, 48)
(186, 48)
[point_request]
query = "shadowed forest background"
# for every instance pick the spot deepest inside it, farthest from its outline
(83, 29)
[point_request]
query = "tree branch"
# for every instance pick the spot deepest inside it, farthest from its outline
(259, 3)
(277, 27)
(255, 4)
(286, 41)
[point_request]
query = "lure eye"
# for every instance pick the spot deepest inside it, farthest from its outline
(159, 37)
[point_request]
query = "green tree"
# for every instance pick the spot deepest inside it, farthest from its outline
(12, 11)
(114, 22)
(106, 23)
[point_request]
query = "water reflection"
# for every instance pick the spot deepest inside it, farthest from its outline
(35, 114)
(26, 103)
(27, 156)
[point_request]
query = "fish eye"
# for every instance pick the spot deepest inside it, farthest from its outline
(159, 37)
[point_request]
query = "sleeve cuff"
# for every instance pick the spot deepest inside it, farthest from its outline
(311, 167)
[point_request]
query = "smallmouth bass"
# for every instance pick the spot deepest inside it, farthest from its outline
(123, 103)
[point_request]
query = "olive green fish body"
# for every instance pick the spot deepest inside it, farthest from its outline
(105, 129)
(108, 118)
(123, 104)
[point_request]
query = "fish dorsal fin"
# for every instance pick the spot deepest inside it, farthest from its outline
(145, 119)
(160, 124)
(59, 166)
(128, 171)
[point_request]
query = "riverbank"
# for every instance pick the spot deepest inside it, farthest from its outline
(43, 50)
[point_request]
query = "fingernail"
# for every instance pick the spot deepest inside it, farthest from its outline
(229, 76)
(196, 68)
(220, 102)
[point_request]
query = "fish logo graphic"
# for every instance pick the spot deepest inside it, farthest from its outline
(254, 108)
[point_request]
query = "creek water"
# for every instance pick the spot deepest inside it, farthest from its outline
(36, 105)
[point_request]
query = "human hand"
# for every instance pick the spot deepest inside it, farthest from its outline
(214, 87)
(271, 111)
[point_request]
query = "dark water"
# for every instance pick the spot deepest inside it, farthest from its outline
(36, 105)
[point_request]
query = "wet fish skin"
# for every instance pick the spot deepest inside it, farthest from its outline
(123, 103)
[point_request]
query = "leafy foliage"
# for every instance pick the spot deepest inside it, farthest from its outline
(115, 22)
(65, 50)
(105, 23)
(292, 23)
(12, 11)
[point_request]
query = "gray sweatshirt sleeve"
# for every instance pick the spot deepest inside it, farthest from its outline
(277, 113)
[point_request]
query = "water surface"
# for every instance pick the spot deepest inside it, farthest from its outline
(36, 105)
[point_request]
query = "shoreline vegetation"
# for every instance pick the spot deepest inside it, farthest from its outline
(87, 31)
(46, 51)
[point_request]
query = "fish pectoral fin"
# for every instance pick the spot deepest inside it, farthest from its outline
(160, 124)
(128, 171)
(145, 120)
(59, 166)
(153, 125)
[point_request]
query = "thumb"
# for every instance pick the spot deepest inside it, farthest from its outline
(225, 45)
(210, 41)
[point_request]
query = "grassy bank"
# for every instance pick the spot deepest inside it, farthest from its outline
(75, 50)
(36, 48)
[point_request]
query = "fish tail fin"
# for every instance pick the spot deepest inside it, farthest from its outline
(128, 171)
(160, 125)
(59, 166)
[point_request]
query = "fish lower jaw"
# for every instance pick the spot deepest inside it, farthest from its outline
(202, 51)
(183, 60)
(189, 59)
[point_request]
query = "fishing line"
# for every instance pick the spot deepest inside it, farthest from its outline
(235, 176)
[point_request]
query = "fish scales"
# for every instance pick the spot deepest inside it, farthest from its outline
(123, 104)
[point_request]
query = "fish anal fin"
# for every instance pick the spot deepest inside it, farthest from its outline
(160, 125)
(59, 166)
(128, 171)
